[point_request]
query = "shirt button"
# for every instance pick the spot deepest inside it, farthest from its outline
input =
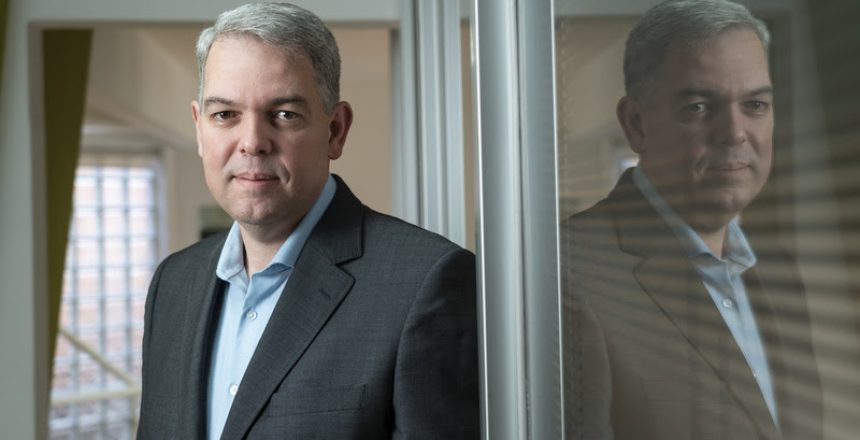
(728, 303)
(234, 389)
(755, 375)
(252, 315)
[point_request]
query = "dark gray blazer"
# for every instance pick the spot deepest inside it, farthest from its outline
(648, 355)
(374, 337)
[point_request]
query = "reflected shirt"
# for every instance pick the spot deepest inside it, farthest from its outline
(246, 308)
(722, 279)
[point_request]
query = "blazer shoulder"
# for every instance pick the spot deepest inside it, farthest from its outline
(382, 230)
(196, 255)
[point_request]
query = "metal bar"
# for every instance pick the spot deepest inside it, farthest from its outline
(102, 304)
(128, 312)
(431, 126)
(518, 238)
(453, 122)
(440, 118)
(500, 252)
(101, 360)
(540, 219)
(406, 173)
(96, 396)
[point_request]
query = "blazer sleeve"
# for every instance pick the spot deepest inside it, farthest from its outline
(436, 372)
(587, 373)
(147, 406)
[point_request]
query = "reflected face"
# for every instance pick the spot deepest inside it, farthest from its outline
(705, 134)
(263, 133)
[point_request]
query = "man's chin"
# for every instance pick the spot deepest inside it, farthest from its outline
(718, 209)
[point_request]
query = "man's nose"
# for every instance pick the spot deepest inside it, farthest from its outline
(731, 129)
(255, 139)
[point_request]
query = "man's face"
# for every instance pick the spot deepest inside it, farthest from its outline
(705, 133)
(263, 133)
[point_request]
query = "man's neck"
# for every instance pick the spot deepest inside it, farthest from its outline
(713, 239)
(711, 228)
(261, 243)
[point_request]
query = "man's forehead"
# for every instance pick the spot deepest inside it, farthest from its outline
(735, 37)
(243, 68)
(717, 64)
(233, 39)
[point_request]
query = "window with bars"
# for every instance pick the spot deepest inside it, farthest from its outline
(112, 251)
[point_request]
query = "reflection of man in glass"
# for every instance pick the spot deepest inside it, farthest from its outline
(680, 326)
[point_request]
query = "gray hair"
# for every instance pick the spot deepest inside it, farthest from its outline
(675, 24)
(286, 26)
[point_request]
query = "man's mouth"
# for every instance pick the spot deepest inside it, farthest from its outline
(254, 176)
(728, 167)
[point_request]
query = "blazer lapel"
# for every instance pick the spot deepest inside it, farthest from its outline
(314, 290)
(669, 278)
(781, 314)
(674, 285)
(202, 308)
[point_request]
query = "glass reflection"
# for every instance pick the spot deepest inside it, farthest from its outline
(696, 302)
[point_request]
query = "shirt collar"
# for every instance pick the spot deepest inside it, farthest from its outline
(737, 248)
(231, 260)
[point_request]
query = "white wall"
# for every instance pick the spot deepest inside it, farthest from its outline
(366, 84)
(145, 77)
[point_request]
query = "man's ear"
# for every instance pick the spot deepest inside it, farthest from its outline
(338, 129)
(629, 113)
(195, 116)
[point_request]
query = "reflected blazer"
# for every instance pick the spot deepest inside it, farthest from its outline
(373, 337)
(648, 355)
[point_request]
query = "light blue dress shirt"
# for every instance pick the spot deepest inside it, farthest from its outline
(246, 309)
(722, 279)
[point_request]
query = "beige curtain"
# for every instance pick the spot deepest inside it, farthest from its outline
(66, 55)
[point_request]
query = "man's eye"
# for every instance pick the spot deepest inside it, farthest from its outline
(222, 116)
(697, 107)
(757, 105)
(286, 115)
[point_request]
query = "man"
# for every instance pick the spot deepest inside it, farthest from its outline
(314, 316)
(678, 326)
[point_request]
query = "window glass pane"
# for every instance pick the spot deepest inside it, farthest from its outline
(115, 223)
(111, 258)
(709, 228)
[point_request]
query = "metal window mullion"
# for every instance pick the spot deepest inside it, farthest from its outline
(129, 308)
(453, 117)
(518, 238)
(430, 125)
(500, 246)
(540, 218)
(126, 209)
(440, 125)
(74, 305)
(102, 298)
(406, 171)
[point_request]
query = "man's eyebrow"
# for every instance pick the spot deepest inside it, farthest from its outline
(217, 100)
(696, 91)
(291, 99)
(766, 90)
(707, 93)
(274, 102)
